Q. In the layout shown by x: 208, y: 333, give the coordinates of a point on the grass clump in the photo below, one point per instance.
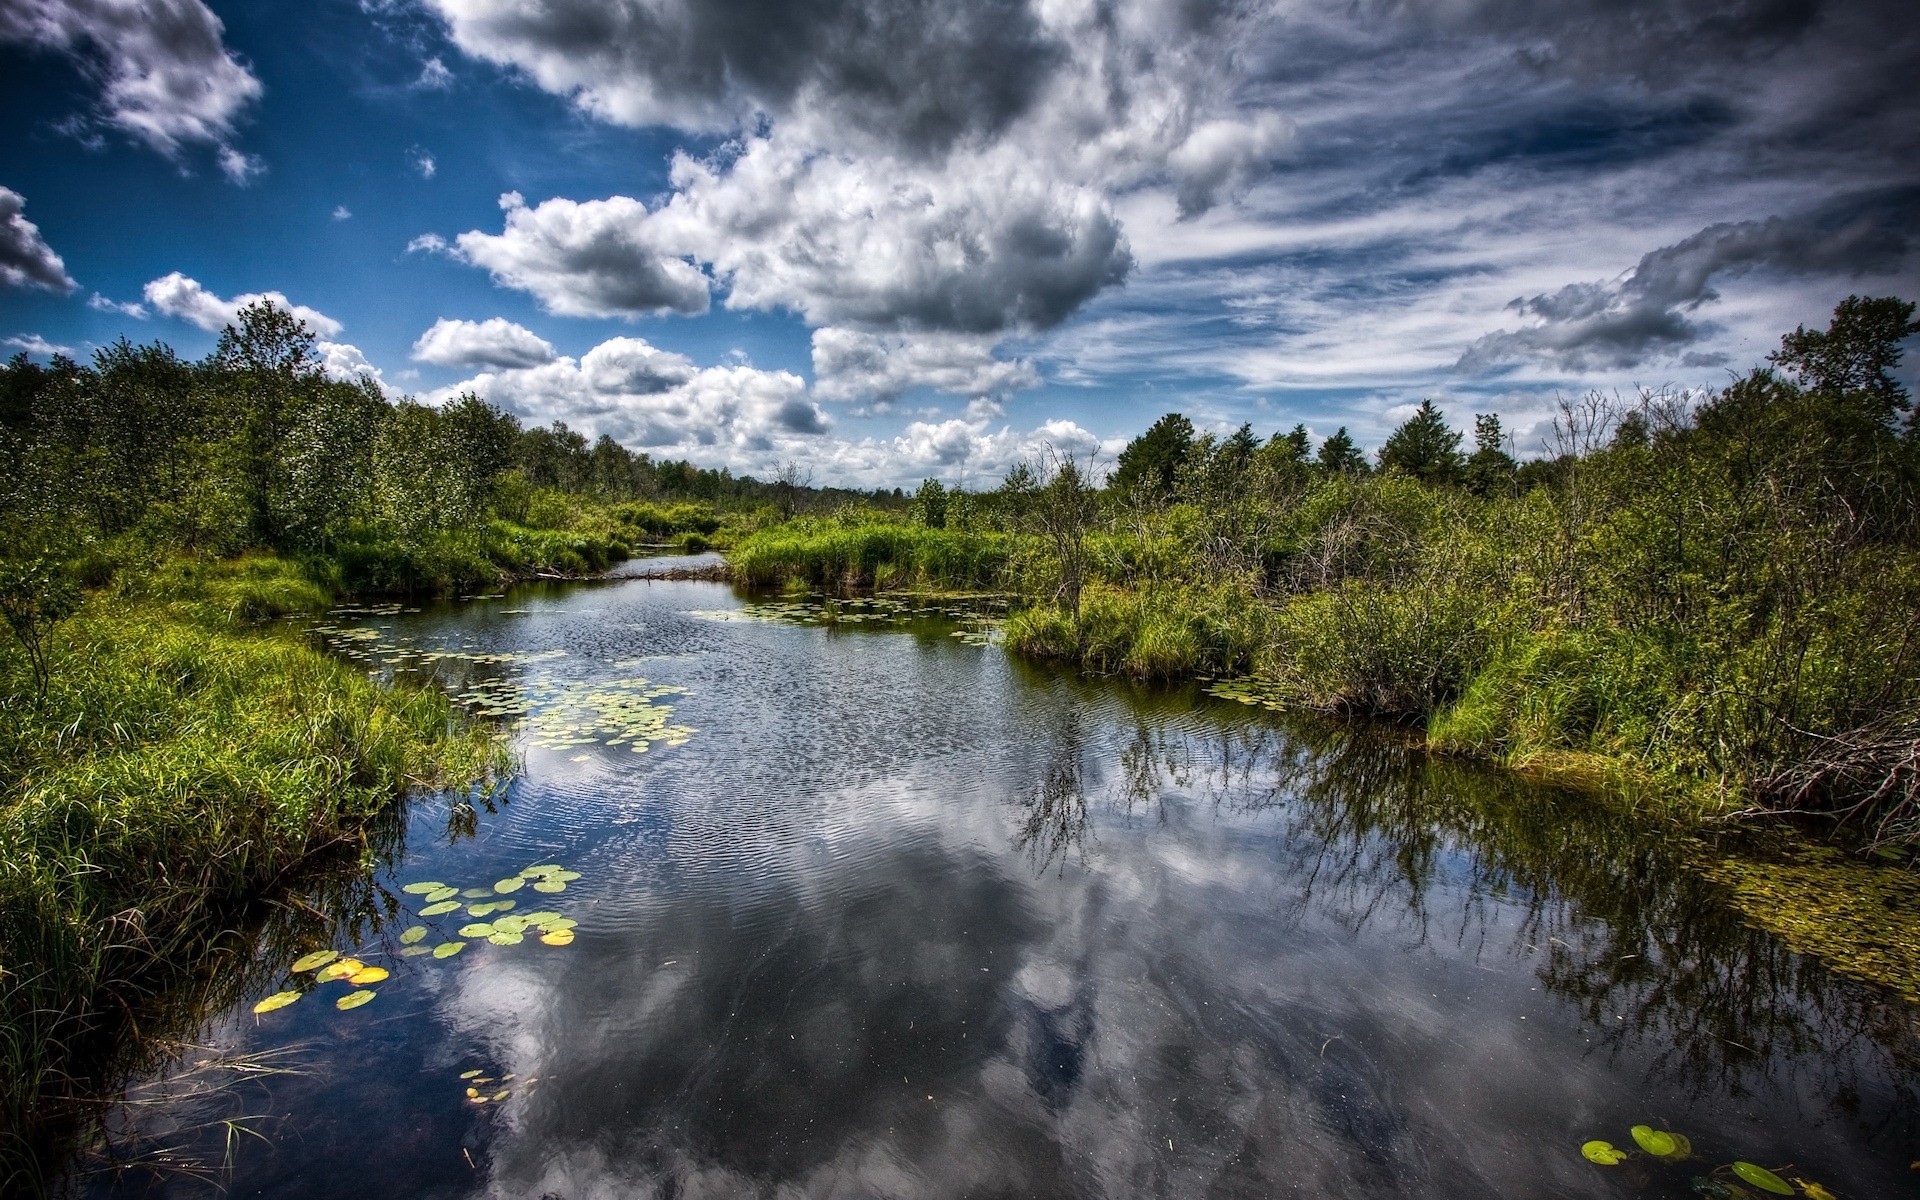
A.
x: 841, y: 555
x: 180, y: 764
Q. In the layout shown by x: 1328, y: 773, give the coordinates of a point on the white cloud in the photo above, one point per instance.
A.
x: 175, y: 295
x: 428, y: 243
x: 422, y: 162
x: 165, y: 76
x: 345, y: 362
x: 342, y: 213
x: 849, y: 364
x: 495, y: 342
x: 99, y: 303
x: 33, y: 343
x: 434, y: 76
x: 601, y: 258
x: 26, y: 261
x: 239, y: 168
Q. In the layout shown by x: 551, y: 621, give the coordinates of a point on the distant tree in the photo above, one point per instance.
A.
x: 930, y: 504
x: 1149, y: 468
x: 1424, y: 447
x: 1631, y: 432
x: 1339, y: 456
x: 1055, y: 498
x: 1298, y: 443
x: 1490, y: 469
x: 266, y: 360
x: 788, y: 482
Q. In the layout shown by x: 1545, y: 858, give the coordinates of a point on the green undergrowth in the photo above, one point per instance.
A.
x: 183, y: 762
x: 885, y: 555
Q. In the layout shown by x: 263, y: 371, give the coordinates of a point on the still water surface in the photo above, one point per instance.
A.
x: 901, y: 916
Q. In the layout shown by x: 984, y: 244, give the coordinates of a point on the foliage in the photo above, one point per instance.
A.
x: 35, y: 595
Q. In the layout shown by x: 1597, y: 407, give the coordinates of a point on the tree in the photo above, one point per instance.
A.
x: 267, y: 360
x: 1424, y: 447
x: 1149, y: 468
x: 788, y: 482
x: 930, y: 504
x: 35, y: 595
x: 1490, y: 469
x: 1056, y: 499
x: 1296, y: 444
x: 1339, y: 456
x: 1853, y: 357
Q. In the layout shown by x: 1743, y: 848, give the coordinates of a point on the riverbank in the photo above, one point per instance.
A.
x: 184, y: 761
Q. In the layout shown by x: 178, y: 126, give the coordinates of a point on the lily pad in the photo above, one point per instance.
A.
x: 434, y: 910
x: 549, y: 885
x: 277, y: 1000
x: 367, y: 975
x: 511, y: 925
x: 411, y: 935
x: 441, y: 893
x: 559, y: 937
x: 319, y: 958
x: 339, y: 969
x: 479, y: 910
x: 1604, y: 1153
x: 1814, y: 1191
x: 545, y: 869
x: 542, y: 917
x: 477, y: 930
x: 477, y: 893
x: 448, y: 949
x: 1762, y: 1178
x: 559, y: 924
x: 414, y: 951
x: 421, y: 889
x: 1656, y: 1142
x: 512, y: 883
x: 354, y: 999
x: 503, y: 938
x: 564, y: 876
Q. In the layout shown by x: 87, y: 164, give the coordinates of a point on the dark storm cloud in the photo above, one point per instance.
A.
x: 921, y: 73
x: 1625, y: 322
x: 26, y: 261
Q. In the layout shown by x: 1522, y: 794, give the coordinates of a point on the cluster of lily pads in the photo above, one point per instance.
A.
x: 438, y: 900
x: 1244, y: 691
x: 563, y: 716
x: 974, y: 612
x: 1722, y: 1183
x: 479, y: 1090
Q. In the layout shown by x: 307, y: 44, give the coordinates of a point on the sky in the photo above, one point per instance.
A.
x: 900, y: 239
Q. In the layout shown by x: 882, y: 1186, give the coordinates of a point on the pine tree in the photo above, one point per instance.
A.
x: 1424, y: 447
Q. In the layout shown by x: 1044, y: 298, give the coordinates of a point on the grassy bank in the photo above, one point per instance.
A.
x: 181, y: 763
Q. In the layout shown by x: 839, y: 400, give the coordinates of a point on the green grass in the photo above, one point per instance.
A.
x: 181, y: 765
x: 843, y: 557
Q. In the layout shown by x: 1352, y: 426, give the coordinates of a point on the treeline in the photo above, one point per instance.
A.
x: 255, y: 447
x: 1719, y: 590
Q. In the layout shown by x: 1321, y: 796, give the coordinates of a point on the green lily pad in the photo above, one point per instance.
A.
x: 473, y: 1074
x: 441, y: 893
x: 319, y: 958
x: 549, y: 885
x: 541, y: 870
x: 512, y: 883
x: 1762, y: 1178
x: 543, y: 916
x: 421, y: 889
x: 434, y: 910
x: 409, y: 936
x: 558, y: 924
x: 1656, y: 1142
x: 354, y: 999
x: 511, y: 925
x: 501, y: 937
x: 564, y: 876
x: 277, y: 1000
x: 480, y: 910
x: 448, y: 949
x: 414, y: 951
x: 1604, y: 1153
x: 477, y: 893
x: 478, y: 929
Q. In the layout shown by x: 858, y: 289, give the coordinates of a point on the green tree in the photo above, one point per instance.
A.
x: 930, y: 504
x: 1339, y: 456
x: 35, y: 595
x: 1490, y: 469
x: 1853, y: 358
x: 1149, y: 468
x: 266, y: 362
x: 1424, y: 447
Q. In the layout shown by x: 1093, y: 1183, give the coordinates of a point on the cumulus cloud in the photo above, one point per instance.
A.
x: 165, y: 76
x: 128, y: 308
x: 175, y: 295
x: 495, y: 342
x: 33, y: 343
x: 344, y: 361
x: 26, y: 261
x: 1626, y: 321
x: 849, y: 364
x: 423, y: 162
x: 647, y: 397
x: 601, y: 258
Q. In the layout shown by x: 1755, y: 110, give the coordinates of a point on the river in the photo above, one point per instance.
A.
x: 871, y: 909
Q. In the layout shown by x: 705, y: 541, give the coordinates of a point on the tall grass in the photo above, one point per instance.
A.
x: 180, y: 765
x: 841, y: 556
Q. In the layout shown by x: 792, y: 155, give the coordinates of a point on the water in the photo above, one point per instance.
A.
x: 905, y: 917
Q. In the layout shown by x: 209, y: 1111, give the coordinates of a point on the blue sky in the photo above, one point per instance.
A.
x: 899, y: 238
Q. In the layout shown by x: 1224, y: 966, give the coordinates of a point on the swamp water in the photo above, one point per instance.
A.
x: 872, y: 909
